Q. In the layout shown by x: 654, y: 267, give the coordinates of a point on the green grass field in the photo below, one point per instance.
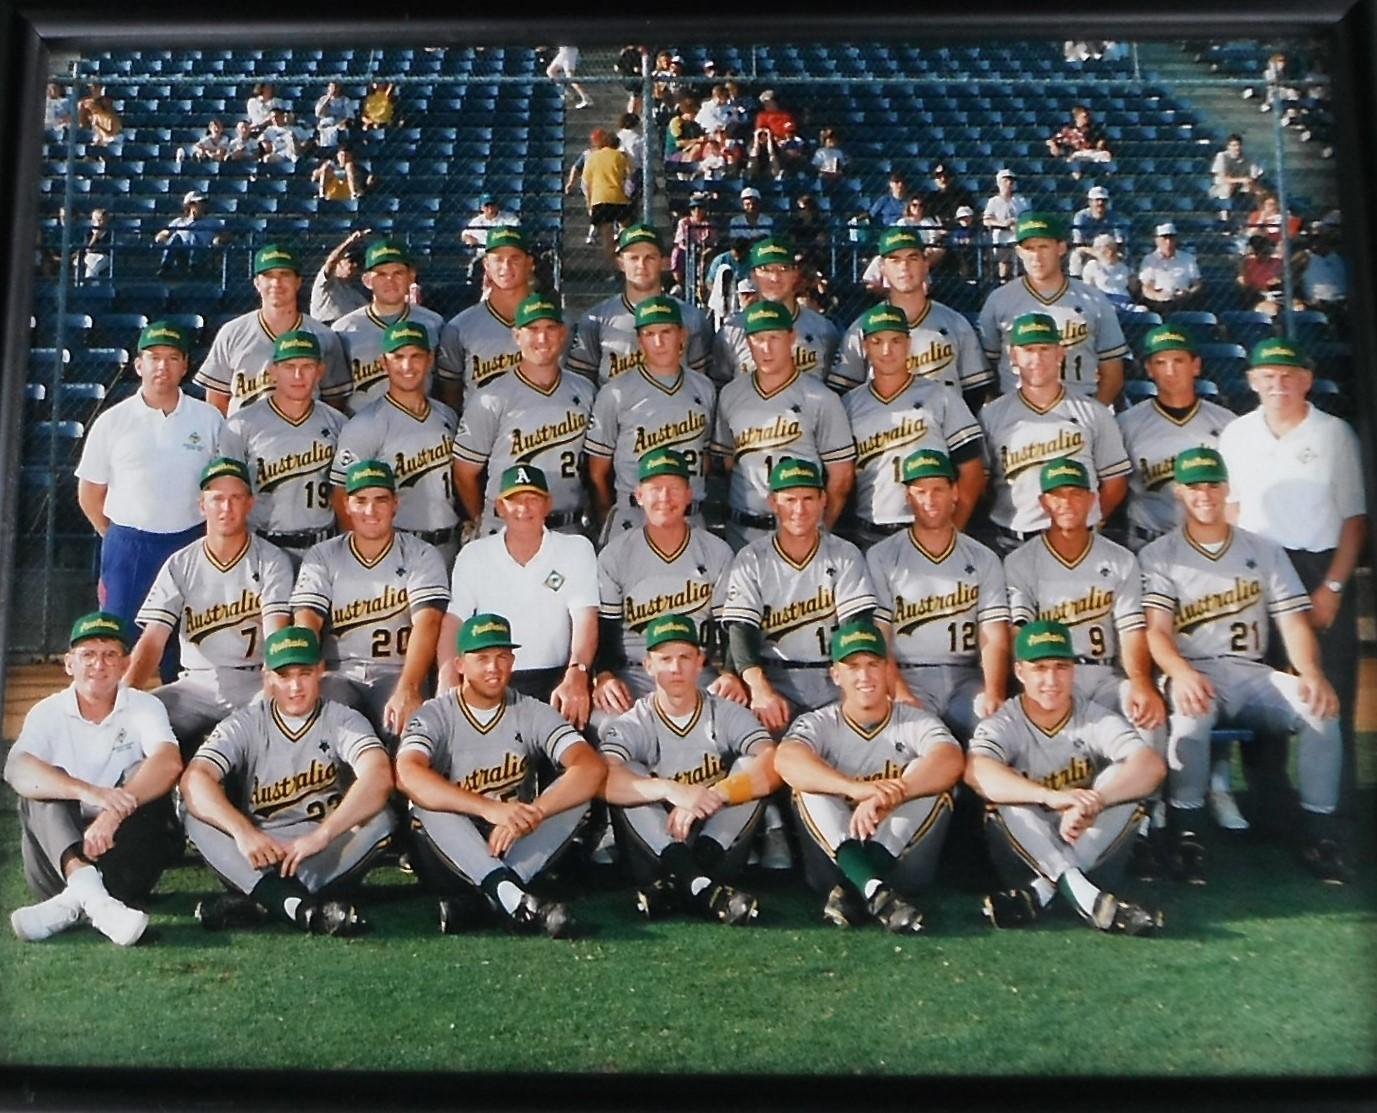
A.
x: 1263, y: 971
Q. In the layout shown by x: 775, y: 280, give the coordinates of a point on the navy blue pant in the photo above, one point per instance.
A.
x: 129, y: 563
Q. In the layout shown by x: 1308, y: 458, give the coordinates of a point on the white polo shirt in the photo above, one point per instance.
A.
x: 151, y: 461
x: 1172, y: 276
x: 538, y: 598
x: 1297, y: 489
x: 97, y: 753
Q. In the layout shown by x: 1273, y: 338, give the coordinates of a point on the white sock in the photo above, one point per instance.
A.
x: 86, y: 884
x: 1044, y: 890
x: 870, y: 887
x: 1221, y: 776
x: 698, y: 884
x: 1082, y: 892
x: 509, y: 896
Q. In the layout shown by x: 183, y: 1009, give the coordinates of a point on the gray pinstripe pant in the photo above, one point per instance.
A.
x: 460, y: 843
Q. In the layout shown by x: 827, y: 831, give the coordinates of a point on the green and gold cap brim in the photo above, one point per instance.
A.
x: 297, y: 344
x: 538, y: 307
x: 1044, y: 637
x: 792, y: 472
x: 671, y: 628
x: 1199, y: 465
x: 405, y: 334
x: 100, y: 624
x: 1063, y: 472
x: 662, y: 461
x: 292, y: 645
x: 156, y: 333
x: 520, y: 478
x: 369, y: 473
x: 859, y: 636
x: 485, y: 631
x: 273, y: 255
x: 927, y: 463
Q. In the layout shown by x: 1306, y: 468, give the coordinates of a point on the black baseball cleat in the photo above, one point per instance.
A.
x: 1122, y: 917
x: 333, y: 917
x: 534, y: 915
x: 894, y: 913
x: 727, y: 905
x: 1326, y: 861
x: 657, y: 900
x: 461, y: 912
x: 1010, y: 908
x: 844, y: 907
x: 229, y: 910
x: 1186, y: 859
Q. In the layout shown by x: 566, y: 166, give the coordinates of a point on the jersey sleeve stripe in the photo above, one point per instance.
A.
x: 866, y: 602
x: 840, y: 455
x: 561, y: 738
x: 740, y: 614
x: 964, y: 436
x: 338, y: 390
x: 883, y: 613
x: 361, y: 747
x: 283, y: 608
x: 610, y: 610
x: 1022, y: 614
x: 1114, y: 352
x: 418, y: 742
x: 617, y: 750
x: 217, y: 759
x: 206, y: 379
x: 1130, y: 622
x: 471, y: 455
x: 597, y: 448
x: 1159, y: 602
x: 979, y: 378
x: 310, y: 600
x: 998, y: 613
x: 754, y: 741
x: 1288, y: 605
x: 148, y: 615
x: 1113, y: 471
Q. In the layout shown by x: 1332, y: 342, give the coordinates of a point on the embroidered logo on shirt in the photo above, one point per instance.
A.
x: 554, y: 581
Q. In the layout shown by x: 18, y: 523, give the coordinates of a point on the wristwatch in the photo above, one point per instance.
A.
x: 578, y: 665
x: 1336, y: 586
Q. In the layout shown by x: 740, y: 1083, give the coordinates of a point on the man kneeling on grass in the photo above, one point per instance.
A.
x: 302, y: 827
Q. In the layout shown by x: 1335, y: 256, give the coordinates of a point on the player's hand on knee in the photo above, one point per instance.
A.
x: 730, y: 686
x: 1146, y: 708
x: 680, y: 823
x: 1192, y: 693
x: 772, y: 710
x: 611, y: 694
x: 99, y: 837
x: 260, y: 849
x: 1319, y: 696
x: 403, y: 704
x: 867, y: 816
x: 1074, y: 824
x: 986, y: 704
x: 298, y: 850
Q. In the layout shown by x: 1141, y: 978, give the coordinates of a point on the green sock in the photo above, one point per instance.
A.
x: 881, y: 860
x: 284, y: 897
x: 856, y: 867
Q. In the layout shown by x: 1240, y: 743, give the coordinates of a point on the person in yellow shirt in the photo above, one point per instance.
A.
x: 606, y: 170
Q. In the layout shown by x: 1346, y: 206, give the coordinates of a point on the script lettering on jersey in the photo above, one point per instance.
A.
x: 890, y: 772
x: 906, y: 431
x: 784, y: 430
x: 267, y: 798
x: 618, y: 364
x: 410, y: 470
x: 366, y: 374
x: 1065, y: 443
x: 1217, y: 604
x: 1156, y: 475
x: 485, y: 370
x: 936, y: 356
x: 707, y: 772
x: 1095, y: 604
x: 805, y: 359
x: 670, y: 434
x: 1074, y: 331
x: 198, y: 625
x: 271, y: 474
x: 636, y: 614
x: 909, y: 614
x: 501, y: 781
x: 246, y: 386
x: 776, y: 622
x: 1076, y: 773
x: 361, y: 612
x: 566, y: 430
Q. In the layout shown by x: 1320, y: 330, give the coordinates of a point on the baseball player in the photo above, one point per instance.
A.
x: 606, y: 341
x: 892, y: 416
x: 535, y: 415
x: 941, y: 604
x: 235, y: 372
x: 468, y: 763
x: 288, y: 445
x: 383, y: 593
x: 871, y: 781
x: 659, y: 405
x: 1063, y: 779
x: 773, y: 412
x: 1041, y: 421
x: 814, y: 339
x: 414, y: 434
x: 786, y: 593
x: 388, y: 273
x: 478, y: 344
x: 224, y: 595
x: 668, y: 566
x: 942, y: 345
x: 309, y: 816
x: 1208, y: 591
x: 92, y: 767
x: 687, y: 774
x: 1156, y: 429
x: 1084, y: 319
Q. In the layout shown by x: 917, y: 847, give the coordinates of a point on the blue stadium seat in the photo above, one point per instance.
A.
x: 1308, y: 326
x: 1245, y: 326
x: 100, y: 365
x: 1201, y: 321
x: 39, y: 436
x: 118, y: 328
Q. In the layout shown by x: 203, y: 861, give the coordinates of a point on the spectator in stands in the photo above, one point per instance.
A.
x: 1093, y: 220
x: 565, y: 64
x: 97, y: 111
x: 379, y: 106
x: 280, y: 140
x: 684, y: 138
x: 1266, y: 219
x: 330, y: 186
x: 187, y: 238
x: 1323, y: 274
x: 779, y: 122
x: 490, y: 215
x: 628, y: 65
x: 885, y: 211
x: 244, y: 145
x: 693, y: 230
x: 358, y: 179
x: 56, y: 114
x: 1232, y: 173
x: 259, y: 108
x: 93, y: 257
x: 752, y: 223
x: 335, y: 114
x: 724, y: 275
x: 815, y: 290
x: 947, y: 196
x: 1260, y: 276
x: 959, y: 258
x: 333, y: 291
x: 214, y: 146
x: 713, y: 164
x: 606, y: 172
x: 1001, y: 215
x: 1169, y: 278
x: 1082, y: 140
x: 738, y: 111
x: 1107, y: 272
x: 716, y: 112
x: 829, y: 159
x: 631, y: 140
x: 808, y: 229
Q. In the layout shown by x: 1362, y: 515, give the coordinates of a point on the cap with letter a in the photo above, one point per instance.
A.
x: 521, y: 478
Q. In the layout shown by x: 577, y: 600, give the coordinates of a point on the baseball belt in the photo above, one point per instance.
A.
x: 563, y: 518
x: 1017, y: 534
x: 434, y: 536
x: 874, y: 527
x: 755, y: 521
x: 301, y: 539
x: 781, y: 664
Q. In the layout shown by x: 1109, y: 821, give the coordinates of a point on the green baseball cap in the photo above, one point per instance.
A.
x: 299, y: 343
x: 520, y: 478
x: 405, y: 334
x: 537, y: 307
x: 659, y: 310
x: 662, y: 461
x: 765, y: 316
x: 639, y: 233
x: 793, y: 472
x: 163, y: 332
x: 928, y: 463
x: 770, y: 251
x: 292, y: 645
x: 1064, y: 472
x: 858, y: 636
x: 1031, y: 225
x: 897, y: 239
x: 100, y: 624
x: 222, y: 466
x: 1034, y: 328
x: 1167, y: 338
x: 883, y: 318
x: 485, y: 631
x: 671, y: 628
x: 273, y: 255
x: 1277, y: 351
x: 504, y: 235
x: 1043, y: 637
x: 385, y: 251
x: 1199, y: 465
x: 369, y: 473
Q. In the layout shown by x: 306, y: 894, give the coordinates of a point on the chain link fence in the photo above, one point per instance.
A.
x: 724, y: 142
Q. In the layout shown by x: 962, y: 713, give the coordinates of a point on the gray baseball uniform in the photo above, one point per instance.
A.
x: 476, y: 347
x: 942, y: 345
x: 603, y: 344
x: 1090, y: 331
x: 815, y: 344
x: 243, y: 348
x: 360, y: 333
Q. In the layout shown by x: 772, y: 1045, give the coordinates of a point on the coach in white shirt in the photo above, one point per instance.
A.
x: 545, y: 584
x: 139, y: 475
x: 1297, y: 479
